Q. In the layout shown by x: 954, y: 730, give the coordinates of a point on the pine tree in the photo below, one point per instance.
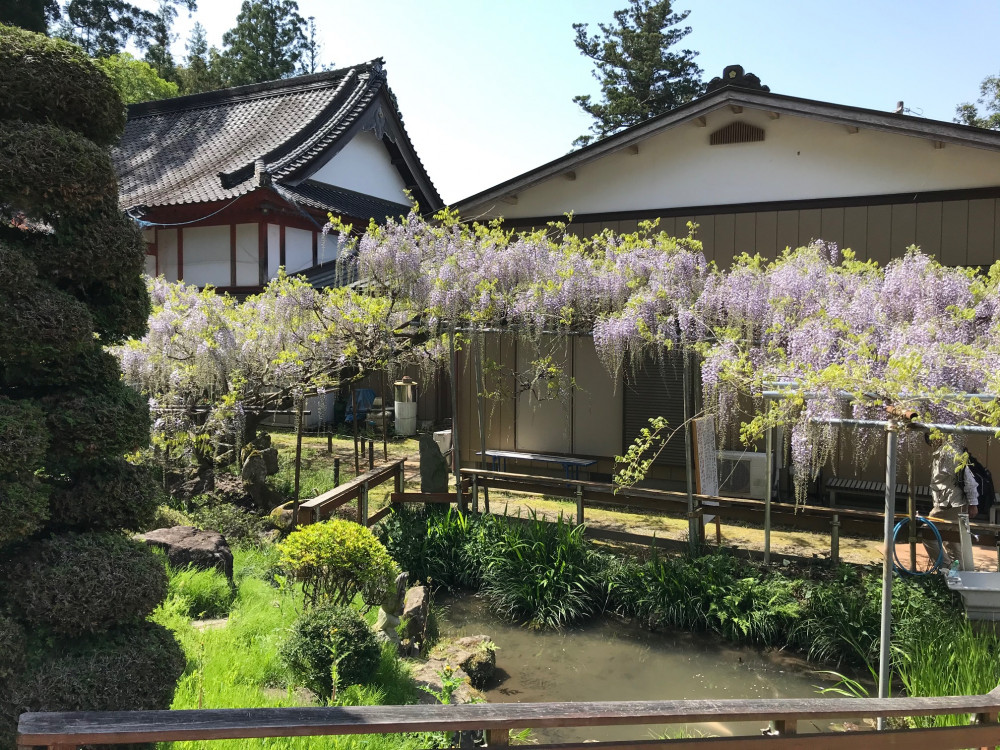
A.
x: 201, y: 71
x: 640, y: 77
x: 33, y: 15
x: 104, y: 27
x: 158, y: 55
x: 267, y: 42
x: 312, y: 51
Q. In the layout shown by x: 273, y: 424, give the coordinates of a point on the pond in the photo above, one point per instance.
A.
x: 606, y: 660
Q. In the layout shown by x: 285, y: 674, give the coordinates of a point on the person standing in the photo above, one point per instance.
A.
x: 953, y: 491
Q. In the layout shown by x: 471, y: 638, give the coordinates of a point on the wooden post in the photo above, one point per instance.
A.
x: 498, y: 738
x: 579, y: 505
x: 455, y: 447
x: 400, y: 477
x: 371, y: 454
x: 329, y: 442
x: 364, y: 505
x: 385, y: 434
x: 354, y: 422
x: 475, y: 493
x: 298, y: 462
x: 480, y: 387
x: 834, y: 530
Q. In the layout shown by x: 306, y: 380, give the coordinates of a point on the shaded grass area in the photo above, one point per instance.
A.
x: 239, y: 665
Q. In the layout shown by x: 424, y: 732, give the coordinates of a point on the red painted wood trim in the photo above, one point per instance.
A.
x: 180, y: 253
x: 262, y: 253
x: 232, y: 255
x: 281, y: 252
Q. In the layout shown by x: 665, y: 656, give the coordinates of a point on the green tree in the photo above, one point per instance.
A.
x: 201, y: 71
x: 33, y: 15
x: 267, y: 42
x: 104, y: 27
x: 640, y: 77
x: 136, y: 80
x: 158, y: 55
x: 312, y: 50
x: 989, y: 100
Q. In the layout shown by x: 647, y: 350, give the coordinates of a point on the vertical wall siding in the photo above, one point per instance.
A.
x: 964, y: 232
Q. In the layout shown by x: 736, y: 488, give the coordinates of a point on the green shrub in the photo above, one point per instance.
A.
x: 238, y: 525
x: 23, y: 437
x: 144, y: 660
x: 24, y: 507
x: 544, y: 574
x: 84, y: 583
x: 337, y: 560
x: 111, y: 495
x: 206, y: 593
x: 12, y: 650
x: 51, y: 325
x: 49, y: 80
x: 329, y: 635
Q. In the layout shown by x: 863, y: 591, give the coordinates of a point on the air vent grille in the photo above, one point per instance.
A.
x: 737, y: 132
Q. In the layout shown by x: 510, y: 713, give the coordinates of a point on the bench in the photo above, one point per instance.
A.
x: 870, y: 489
x: 571, y: 466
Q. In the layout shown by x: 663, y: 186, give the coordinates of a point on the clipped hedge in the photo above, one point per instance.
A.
x: 110, y: 495
x: 131, y: 668
x: 327, y: 634
x: 85, y: 372
x: 24, y: 507
x: 85, y: 583
x: 50, y: 172
x: 86, y: 426
x: 41, y: 324
x: 120, y: 310
x: 46, y: 80
x: 13, y: 653
x: 23, y: 437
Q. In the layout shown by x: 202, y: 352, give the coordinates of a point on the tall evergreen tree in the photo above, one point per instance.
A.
x: 33, y: 15
x: 158, y: 55
x: 104, y: 27
x: 200, y: 72
x: 267, y: 42
x: 312, y: 50
x: 640, y: 77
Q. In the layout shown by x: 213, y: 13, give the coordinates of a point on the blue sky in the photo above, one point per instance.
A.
x: 486, y: 88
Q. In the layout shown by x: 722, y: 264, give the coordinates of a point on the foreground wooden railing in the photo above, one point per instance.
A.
x: 63, y: 731
x: 810, y: 517
x: 322, y: 506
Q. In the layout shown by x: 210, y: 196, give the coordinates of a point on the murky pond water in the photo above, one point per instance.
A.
x: 605, y: 660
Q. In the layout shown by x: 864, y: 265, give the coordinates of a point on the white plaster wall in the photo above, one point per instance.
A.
x: 597, y: 403
x: 800, y: 158
x: 363, y: 165
x: 247, y: 255
x: 542, y: 426
x: 150, y: 266
x: 207, y: 256
x: 166, y: 247
x: 298, y: 249
x: 273, y: 250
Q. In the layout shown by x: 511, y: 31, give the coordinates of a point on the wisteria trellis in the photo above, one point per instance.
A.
x: 913, y: 333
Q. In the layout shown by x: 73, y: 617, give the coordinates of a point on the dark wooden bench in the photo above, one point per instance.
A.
x: 571, y: 465
x: 871, y: 489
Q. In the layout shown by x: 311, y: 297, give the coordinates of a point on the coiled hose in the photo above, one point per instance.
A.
x: 940, y: 544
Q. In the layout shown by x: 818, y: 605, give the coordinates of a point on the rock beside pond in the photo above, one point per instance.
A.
x: 430, y: 676
x: 186, y: 545
x: 475, y: 655
x: 416, y: 607
x: 433, y: 466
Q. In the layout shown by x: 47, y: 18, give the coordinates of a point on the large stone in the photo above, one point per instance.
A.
x: 430, y: 679
x: 475, y: 655
x: 433, y: 466
x: 270, y: 456
x: 254, y: 469
x: 186, y: 545
x: 415, y: 610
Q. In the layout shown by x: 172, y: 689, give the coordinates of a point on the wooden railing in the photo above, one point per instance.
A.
x: 808, y: 517
x: 63, y: 731
x: 322, y: 506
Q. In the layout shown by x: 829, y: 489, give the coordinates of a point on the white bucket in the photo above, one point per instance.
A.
x: 406, y: 418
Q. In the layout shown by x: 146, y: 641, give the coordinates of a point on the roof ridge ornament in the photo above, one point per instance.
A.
x: 734, y: 75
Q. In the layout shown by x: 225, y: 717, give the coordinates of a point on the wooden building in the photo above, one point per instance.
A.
x: 757, y: 172
x: 233, y: 184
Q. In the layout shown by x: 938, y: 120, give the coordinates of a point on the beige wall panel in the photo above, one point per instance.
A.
x: 904, y: 229
x: 954, y: 233
x: 706, y: 233
x: 668, y: 224
x: 725, y: 239
x: 680, y: 225
x: 879, y: 233
x: 597, y: 403
x: 982, y: 216
x: 767, y: 234
x: 831, y: 225
x: 788, y: 230
x: 502, y: 412
x: 856, y: 230
x: 543, y: 426
x: 996, y: 230
x: 928, y: 236
x: 626, y: 226
x: 810, y: 226
x: 591, y: 228
x: 746, y: 233
x: 614, y: 226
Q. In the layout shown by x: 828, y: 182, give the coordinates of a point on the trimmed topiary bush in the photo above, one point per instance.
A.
x: 111, y: 495
x: 46, y: 80
x: 336, y: 560
x: 85, y: 583
x: 327, y: 635
x: 24, y: 508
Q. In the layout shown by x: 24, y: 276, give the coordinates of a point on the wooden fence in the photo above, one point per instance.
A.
x: 62, y: 731
x: 321, y: 507
x: 596, y: 494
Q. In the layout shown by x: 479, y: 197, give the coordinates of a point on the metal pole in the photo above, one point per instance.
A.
x: 884, y: 669
x: 693, y: 531
x: 298, y: 461
x: 354, y: 421
x: 454, y: 423
x: 385, y: 432
x: 911, y: 510
x: 480, y: 387
x: 769, y: 452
